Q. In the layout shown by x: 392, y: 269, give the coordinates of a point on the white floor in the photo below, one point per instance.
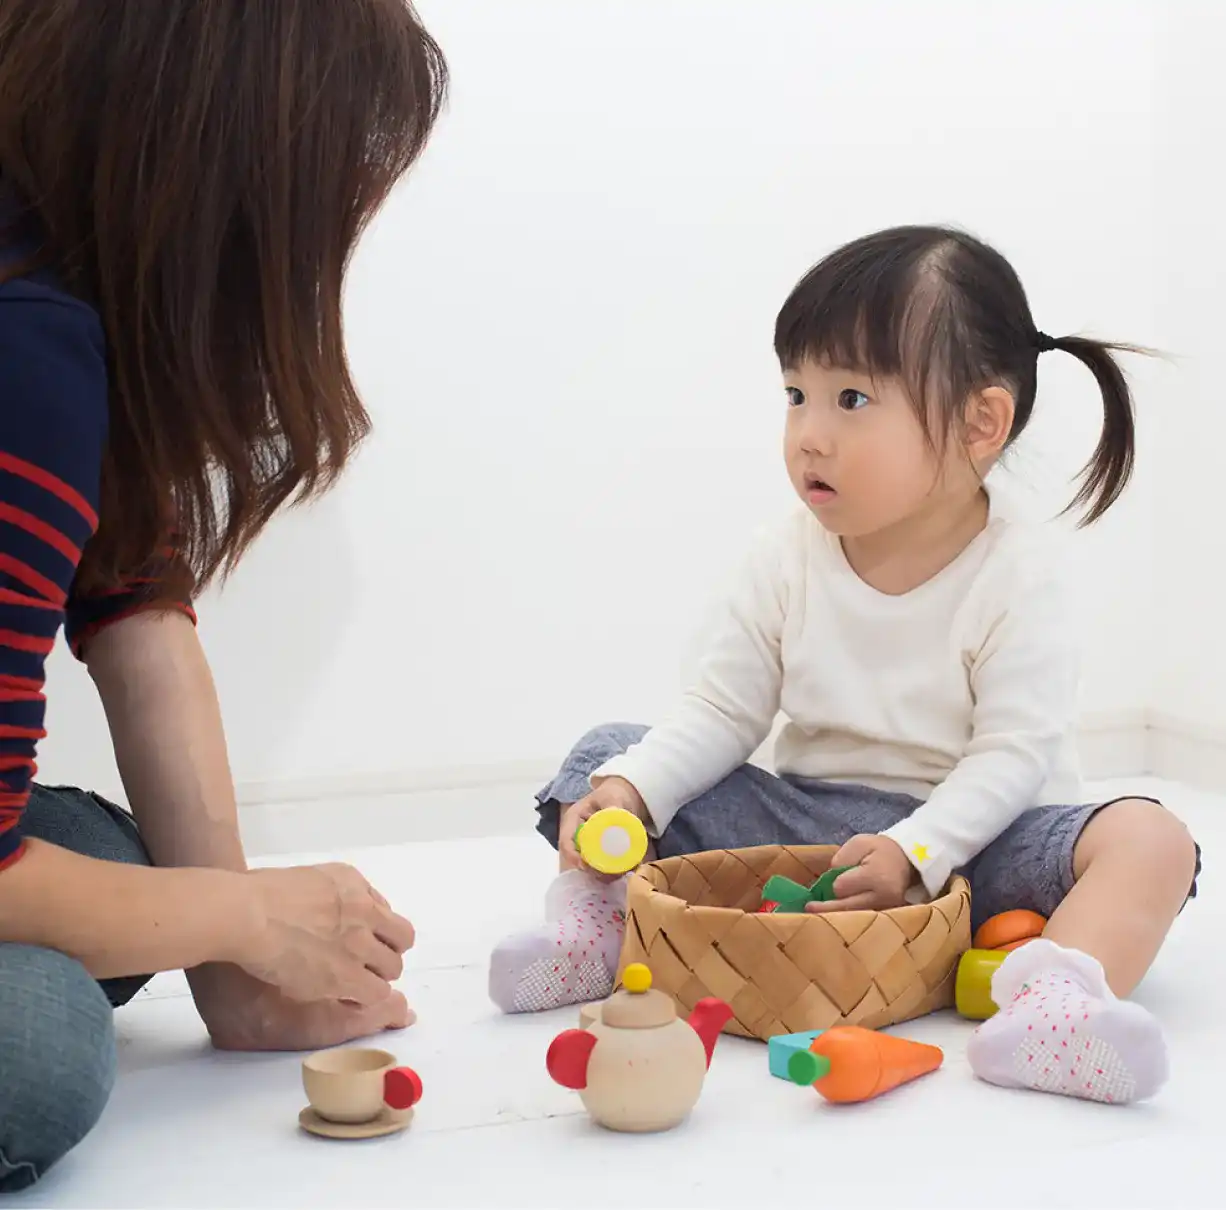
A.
x: 187, y: 1127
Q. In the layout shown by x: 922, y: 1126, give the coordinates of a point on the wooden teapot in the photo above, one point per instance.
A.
x: 639, y: 1067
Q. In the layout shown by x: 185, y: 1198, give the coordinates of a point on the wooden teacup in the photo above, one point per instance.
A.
x: 356, y: 1084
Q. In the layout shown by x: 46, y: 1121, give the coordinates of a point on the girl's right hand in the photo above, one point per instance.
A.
x: 613, y: 792
x: 323, y: 933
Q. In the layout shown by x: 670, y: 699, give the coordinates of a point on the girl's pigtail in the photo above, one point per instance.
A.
x: 1107, y: 473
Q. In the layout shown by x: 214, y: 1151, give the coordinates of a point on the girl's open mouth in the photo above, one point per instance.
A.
x: 817, y: 489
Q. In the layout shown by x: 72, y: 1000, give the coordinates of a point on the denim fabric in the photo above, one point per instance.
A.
x: 57, y: 1034
x: 1029, y: 865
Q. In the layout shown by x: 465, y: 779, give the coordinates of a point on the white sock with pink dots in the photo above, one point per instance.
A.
x: 1061, y: 1029
x: 571, y: 959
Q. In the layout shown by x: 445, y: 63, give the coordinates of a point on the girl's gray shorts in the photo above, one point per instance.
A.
x: 1029, y: 865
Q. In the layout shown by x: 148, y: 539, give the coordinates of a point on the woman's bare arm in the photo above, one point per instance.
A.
x: 124, y: 919
x: 165, y: 721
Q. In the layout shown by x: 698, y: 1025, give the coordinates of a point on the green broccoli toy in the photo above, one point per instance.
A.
x: 781, y: 894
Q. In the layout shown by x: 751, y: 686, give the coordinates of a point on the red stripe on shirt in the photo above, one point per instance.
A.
x: 49, y: 482
x: 26, y: 642
x: 90, y: 632
x: 40, y: 529
x: 8, y: 596
x: 49, y: 590
x: 22, y: 688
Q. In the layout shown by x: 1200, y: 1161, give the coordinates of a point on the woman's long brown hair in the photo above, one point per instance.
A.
x: 200, y: 171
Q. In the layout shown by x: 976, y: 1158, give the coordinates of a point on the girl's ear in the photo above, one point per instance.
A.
x: 987, y: 423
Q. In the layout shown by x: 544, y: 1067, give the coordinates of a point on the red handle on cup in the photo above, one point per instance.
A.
x: 401, y: 1088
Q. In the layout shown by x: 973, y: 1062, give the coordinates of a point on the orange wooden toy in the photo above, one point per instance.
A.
x: 850, y: 1063
x: 1008, y: 930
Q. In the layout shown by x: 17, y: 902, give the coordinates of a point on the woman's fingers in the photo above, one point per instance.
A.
x: 393, y: 929
x: 379, y: 958
x: 393, y: 1013
x: 363, y: 987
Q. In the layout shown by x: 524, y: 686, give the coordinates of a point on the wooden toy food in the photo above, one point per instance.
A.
x: 782, y: 894
x: 781, y: 1048
x: 639, y: 1068
x: 1008, y: 930
x: 850, y: 1063
x: 612, y: 841
x: 973, y: 982
x: 994, y: 940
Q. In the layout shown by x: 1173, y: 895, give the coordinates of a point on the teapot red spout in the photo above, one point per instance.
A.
x: 567, y: 1058
x: 710, y: 1015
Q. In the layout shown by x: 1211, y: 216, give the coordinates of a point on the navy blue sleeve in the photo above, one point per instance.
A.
x: 86, y: 616
x: 52, y: 433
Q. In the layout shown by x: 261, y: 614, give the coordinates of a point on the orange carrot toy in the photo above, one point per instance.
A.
x: 1008, y: 930
x: 849, y: 1063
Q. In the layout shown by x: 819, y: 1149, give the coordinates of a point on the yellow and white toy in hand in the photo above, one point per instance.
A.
x: 612, y: 841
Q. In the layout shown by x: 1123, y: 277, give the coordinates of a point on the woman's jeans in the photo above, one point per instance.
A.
x: 57, y: 1035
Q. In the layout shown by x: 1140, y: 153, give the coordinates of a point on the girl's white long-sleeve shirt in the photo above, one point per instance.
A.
x: 962, y: 692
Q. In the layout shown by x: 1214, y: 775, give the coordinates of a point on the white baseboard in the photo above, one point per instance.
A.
x: 349, y: 786
x: 322, y: 815
x: 1114, y: 744
x: 332, y: 813
x: 1186, y: 751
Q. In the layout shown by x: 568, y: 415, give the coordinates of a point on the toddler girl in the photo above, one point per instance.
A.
x: 916, y: 641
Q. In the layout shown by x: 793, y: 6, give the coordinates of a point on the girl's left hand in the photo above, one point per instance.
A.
x: 879, y: 880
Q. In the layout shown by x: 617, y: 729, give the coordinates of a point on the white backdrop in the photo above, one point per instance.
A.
x: 562, y: 325
x: 1188, y: 642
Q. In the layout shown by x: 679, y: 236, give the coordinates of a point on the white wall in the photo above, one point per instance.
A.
x: 563, y: 325
x: 1190, y: 583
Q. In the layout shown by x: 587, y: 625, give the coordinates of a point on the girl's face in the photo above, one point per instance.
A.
x: 857, y: 455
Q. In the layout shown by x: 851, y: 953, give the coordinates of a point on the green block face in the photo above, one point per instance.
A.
x: 789, y: 895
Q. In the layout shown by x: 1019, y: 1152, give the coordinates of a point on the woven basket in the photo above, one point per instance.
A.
x: 693, y: 921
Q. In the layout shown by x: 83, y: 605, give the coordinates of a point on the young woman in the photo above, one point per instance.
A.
x: 181, y: 186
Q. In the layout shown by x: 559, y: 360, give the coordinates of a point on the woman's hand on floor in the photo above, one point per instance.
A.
x: 322, y: 933
x: 612, y: 792
x: 879, y: 880
x: 242, y: 1013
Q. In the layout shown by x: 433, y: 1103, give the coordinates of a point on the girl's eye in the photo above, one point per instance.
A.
x: 851, y: 400
x: 795, y: 396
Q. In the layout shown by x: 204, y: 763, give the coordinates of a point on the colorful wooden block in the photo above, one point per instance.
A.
x: 783, y: 1046
x: 786, y: 895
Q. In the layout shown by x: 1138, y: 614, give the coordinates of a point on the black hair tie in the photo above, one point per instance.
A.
x: 1044, y: 343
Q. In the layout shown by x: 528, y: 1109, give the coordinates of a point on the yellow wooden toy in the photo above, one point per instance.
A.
x: 973, y: 983
x: 612, y: 841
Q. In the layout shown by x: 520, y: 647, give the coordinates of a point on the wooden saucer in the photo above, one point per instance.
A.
x: 389, y: 1121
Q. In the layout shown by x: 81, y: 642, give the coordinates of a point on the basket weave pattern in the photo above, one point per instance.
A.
x: 693, y: 921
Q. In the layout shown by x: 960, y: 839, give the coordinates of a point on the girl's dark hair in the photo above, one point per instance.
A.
x: 946, y: 315
x: 200, y: 171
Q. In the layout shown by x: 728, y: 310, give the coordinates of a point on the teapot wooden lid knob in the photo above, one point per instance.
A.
x: 636, y: 978
x: 638, y: 1005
